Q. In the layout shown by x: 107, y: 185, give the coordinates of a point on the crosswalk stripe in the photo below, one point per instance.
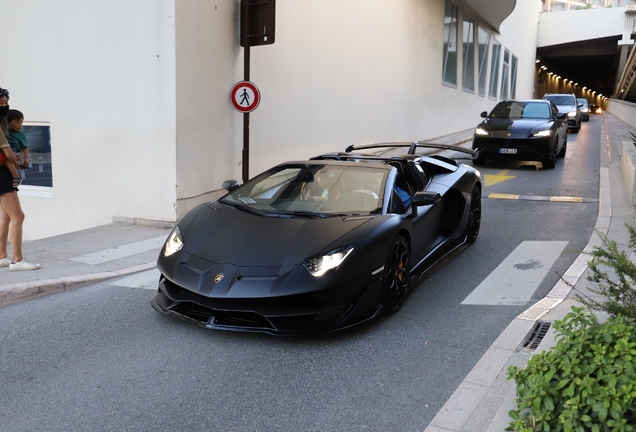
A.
x: 518, y: 276
x: 542, y: 198
x: 123, y: 251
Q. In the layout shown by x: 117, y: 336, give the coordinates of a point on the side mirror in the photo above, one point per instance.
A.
x: 580, y: 105
x: 422, y: 199
x: 426, y: 198
x: 561, y: 116
x: 484, y: 114
x: 230, y: 185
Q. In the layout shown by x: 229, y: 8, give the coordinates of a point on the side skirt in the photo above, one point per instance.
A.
x: 428, y: 265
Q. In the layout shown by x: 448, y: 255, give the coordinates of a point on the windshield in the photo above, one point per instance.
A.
x: 560, y: 99
x: 521, y: 110
x: 312, y: 190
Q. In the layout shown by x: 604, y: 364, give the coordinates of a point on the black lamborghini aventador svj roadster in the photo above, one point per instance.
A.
x: 318, y: 245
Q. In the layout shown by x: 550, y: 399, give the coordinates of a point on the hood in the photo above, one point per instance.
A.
x: 566, y: 108
x: 223, y: 234
x: 518, y: 128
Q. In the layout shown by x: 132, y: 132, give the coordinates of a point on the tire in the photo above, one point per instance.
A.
x: 563, y: 150
x: 396, y: 275
x: 577, y: 128
x: 550, y: 162
x: 474, y: 215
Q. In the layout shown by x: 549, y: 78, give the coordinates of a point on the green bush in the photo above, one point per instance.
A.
x: 586, y: 382
x: 614, y: 276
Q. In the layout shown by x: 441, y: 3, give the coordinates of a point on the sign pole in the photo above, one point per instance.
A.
x: 257, y: 28
x: 246, y: 120
x: 246, y: 76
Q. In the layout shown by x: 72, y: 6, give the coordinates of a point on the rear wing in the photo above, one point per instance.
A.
x: 412, y: 146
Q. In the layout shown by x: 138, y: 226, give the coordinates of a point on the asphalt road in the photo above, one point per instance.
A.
x: 99, y: 358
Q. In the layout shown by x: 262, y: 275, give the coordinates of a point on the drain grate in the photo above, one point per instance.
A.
x: 538, y: 333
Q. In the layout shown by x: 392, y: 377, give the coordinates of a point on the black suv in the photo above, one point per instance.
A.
x: 567, y: 103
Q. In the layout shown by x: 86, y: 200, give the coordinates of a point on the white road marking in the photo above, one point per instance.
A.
x: 146, y: 280
x: 121, y: 252
x: 518, y: 276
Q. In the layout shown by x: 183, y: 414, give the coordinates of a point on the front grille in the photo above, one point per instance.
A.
x: 241, y: 319
x: 193, y: 311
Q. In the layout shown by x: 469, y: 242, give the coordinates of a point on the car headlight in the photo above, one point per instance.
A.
x: 321, y: 264
x: 481, y: 132
x: 571, y: 114
x: 174, y: 242
x: 584, y: 110
x: 543, y: 133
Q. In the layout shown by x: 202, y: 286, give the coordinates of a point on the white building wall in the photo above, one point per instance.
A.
x: 351, y: 72
x: 519, y: 35
x: 137, y: 93
x: 573, y: 26
x: 209, y: 130
x: 103, y: 75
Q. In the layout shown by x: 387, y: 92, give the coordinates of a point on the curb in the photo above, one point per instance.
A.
x: 17, y: 293
x: 463, y: 403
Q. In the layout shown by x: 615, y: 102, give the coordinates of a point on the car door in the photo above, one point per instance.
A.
x: 424, y: 220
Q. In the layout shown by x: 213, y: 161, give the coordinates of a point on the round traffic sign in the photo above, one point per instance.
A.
x: 245, y: 96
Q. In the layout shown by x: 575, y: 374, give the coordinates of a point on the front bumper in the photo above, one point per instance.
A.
x: 533, y: 149
x: 306, y: 313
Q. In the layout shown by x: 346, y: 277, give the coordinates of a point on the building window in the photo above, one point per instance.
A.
x: 39, y: 141
x: 468, y: 73
x: 449, y: 72
x: 483, y: 41
x: 505, y: 75
x: 494, y: 69
x: 513, y: 77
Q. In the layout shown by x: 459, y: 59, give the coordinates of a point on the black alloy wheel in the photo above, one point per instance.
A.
x: 474, y: 217
x: 396, y: 275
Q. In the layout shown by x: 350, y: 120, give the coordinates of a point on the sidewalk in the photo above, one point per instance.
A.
x: 483, y: 400
x: 481, y: 403
x: 81, y: 258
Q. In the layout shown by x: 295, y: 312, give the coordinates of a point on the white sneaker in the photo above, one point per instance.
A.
x: 24, y: 265
x: 4, y: 262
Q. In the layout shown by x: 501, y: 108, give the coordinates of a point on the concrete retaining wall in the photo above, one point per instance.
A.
x: 626, y: 111
x: 628, y: 166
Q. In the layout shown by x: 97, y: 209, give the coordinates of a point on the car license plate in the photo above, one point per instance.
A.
x: 508, y: 150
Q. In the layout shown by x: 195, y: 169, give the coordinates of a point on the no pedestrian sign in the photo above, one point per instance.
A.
x: 245, y: 96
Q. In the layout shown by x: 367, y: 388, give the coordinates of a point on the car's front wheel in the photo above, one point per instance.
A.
x: 474, y: 217
x: 396, y: 275
x: 550, y: 162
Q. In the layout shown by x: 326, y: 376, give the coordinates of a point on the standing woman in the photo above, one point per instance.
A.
x: 11, y: 214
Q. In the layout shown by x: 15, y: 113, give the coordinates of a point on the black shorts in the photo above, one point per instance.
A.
x: 6, y: 181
